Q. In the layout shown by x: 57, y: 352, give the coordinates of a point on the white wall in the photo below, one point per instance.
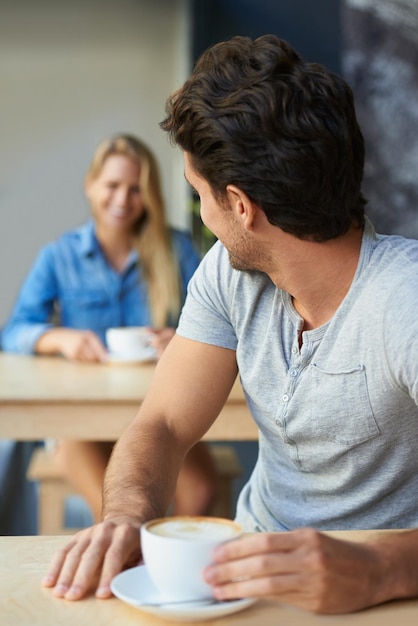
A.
x: 70, y: 74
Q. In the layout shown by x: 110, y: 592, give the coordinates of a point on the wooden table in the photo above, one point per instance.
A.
x: 23, y: 602
x: 42, y: 397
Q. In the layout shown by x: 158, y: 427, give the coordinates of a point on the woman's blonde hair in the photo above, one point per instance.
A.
x: 152, y: 239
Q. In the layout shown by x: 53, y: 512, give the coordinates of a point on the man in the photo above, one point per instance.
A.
x: 315, y: 312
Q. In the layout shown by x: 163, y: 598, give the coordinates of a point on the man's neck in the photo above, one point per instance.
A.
x: 318, y: 276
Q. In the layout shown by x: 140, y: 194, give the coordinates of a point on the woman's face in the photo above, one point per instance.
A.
x: 114, y: 195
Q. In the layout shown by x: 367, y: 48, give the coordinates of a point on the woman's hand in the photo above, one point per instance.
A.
x: 303, y: 568
x: 159, y: 339
x: 76, y: 345
x: 92, y: 558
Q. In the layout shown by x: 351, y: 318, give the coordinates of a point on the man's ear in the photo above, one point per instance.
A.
x: 241, y: 204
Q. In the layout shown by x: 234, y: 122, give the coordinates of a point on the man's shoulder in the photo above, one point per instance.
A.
x: 216, y: 261
x: 392, y: 276
x: 398, y: 249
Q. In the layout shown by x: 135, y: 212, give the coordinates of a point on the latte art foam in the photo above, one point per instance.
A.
x: 195, y: 530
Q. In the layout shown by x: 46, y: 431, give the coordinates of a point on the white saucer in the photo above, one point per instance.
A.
x: 148, y: 354
x: 134, y: 587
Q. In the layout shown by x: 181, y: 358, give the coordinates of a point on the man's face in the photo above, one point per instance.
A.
x: 223, y: 222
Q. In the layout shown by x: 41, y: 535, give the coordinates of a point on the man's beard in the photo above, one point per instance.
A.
x: 239, y: 264
x: 248, y: 262
x: 246, y: 256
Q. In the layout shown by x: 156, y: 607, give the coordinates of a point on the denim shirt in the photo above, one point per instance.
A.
x: 72, y: 279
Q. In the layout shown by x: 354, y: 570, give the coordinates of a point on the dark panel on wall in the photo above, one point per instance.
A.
x: 312, y: 27
x: 380, y: 61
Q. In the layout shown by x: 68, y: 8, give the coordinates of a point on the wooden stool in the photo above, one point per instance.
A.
x: 53, y: 489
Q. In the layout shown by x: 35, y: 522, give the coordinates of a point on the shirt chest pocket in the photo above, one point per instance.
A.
x: 341, y: 405
x: 338, y: 416
x: 81, y: 309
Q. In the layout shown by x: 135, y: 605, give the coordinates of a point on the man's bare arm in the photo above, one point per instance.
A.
x: 191, y: 384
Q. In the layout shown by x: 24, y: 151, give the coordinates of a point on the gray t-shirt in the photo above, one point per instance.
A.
x: 338, y: 417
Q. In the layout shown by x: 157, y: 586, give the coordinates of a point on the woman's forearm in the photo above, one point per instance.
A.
x: 49, y: 342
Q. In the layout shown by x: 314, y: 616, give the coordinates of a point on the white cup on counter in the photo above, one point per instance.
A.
x: 130, y: 343
x: 177, y: 549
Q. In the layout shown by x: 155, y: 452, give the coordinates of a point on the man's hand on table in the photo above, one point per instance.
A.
x: 303, y: 568
x: 92, y: 558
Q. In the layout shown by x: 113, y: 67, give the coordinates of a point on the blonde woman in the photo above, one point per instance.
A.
x: 124, y: 267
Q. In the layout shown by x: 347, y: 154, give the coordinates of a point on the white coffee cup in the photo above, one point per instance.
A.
x: 177, y: 549
x: 129, y: 342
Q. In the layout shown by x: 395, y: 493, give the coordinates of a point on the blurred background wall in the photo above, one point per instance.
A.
x: 72, y: 72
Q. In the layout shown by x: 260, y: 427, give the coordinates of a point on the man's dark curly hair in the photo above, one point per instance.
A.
x: 255, y: 115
